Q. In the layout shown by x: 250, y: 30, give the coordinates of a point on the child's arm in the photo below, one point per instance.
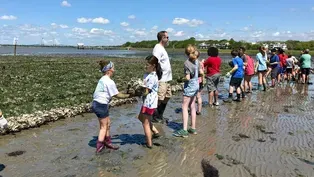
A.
x: 122, y: 95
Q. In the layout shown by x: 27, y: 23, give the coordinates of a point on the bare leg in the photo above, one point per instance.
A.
x: 185, y: 114
x: 193, y: 112
x: 199, y: 102
x: 103, y: 125
x: 210, y: 98
x: 147, y: 130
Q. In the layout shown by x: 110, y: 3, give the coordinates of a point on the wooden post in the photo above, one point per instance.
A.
x: 15, y: 49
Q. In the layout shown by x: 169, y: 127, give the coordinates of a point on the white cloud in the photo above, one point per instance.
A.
x: 100, y: 31
x: 131, y: 17
x: 84, y: 20
x: 54, y: 25
x: 195, y: 22
x: 180, y: 21
x: 179, y: 34
x: 124, y: 24
x: 200, y: 36
x: 140, y: 33
x: 64, y: 26
x: 155, y: 27
x: 79, y: 30
x: 276, y: 34
x: 246, y: 28
x: 184, y: 21
x: 8, y: 17
x: 169, y: 30
x: 65, y: 4
x: 129, y: 29
x: 99, y: 20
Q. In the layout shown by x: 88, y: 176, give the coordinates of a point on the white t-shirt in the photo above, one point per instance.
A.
x: 151, y: 82
x: 160, y: 52
x: 105, y: 90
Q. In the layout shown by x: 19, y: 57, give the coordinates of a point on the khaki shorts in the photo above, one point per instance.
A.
x: 164, y: 91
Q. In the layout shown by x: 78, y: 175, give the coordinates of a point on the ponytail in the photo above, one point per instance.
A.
x: 151, y: 59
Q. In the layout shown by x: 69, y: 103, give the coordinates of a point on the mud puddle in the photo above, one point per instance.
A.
x: 268, y: 134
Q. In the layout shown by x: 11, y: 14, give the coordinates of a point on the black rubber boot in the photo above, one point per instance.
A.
x: 161, y: 109
x: 156, y: 117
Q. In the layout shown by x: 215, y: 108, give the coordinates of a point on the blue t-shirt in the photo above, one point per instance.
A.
x: 261, y: 62
x: 239, y: 73
x: 273, y: 59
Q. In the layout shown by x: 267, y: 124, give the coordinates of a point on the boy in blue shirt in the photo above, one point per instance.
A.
x: 237, y: 73
x: 275, y: 66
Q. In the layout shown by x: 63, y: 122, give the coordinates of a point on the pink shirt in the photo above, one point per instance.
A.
x: 249, y: 69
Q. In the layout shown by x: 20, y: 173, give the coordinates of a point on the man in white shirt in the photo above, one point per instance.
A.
x: 164, y: 90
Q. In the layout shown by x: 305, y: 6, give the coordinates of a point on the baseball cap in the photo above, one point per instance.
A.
x: 307, y: 50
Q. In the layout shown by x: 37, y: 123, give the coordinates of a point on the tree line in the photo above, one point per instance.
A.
x: 291, y: 44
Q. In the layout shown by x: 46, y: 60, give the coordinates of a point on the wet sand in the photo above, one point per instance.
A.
x: 268, y: 134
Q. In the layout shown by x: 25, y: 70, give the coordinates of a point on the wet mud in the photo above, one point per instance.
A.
x: 267, y: 134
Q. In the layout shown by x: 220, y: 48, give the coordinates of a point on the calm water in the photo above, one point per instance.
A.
x: 8, y: 50
x: 5, y: 50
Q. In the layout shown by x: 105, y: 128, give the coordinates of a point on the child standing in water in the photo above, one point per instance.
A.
x: 201, y: 86
x: 237, y: 73
x: 150, y: 97
x: 261, y: 68
x: 105, y: 90
x: 191, y: 87
x: 212, y: 65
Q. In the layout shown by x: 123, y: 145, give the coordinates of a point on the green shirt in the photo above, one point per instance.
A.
x: 305, y: 61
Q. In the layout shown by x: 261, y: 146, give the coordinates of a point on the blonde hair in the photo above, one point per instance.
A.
x: 191, y: 52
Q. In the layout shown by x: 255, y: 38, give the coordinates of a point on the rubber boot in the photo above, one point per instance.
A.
x: 99, y: 146
x: 109, y: 144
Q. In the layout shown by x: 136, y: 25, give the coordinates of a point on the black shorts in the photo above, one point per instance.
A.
x: 235, y: 82
x: 289, y: 70
x: 305, y: 71
x: 101, y: 110
x: 201, y: 86
x: 274, y: 72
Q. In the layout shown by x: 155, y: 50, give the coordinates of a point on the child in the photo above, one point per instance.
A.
x: 105, y: 90
x: 201, y: 86
x: 261, y: 68
x: 290, y: 66
x: 237, y: 76
x: 3, y: 121
x: 191, y: 87
x: 275, y: 66
x: 150, y: 97
x: 212, y: 65
x: 249, y: 70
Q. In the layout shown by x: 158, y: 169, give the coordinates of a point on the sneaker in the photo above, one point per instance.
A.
x: 3, y: 122
x: 181, y: 133
x: 192, y: 131
x: 216, y: 104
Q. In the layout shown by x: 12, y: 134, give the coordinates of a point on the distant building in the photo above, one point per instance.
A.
x: 203, y: 45
x: 278, y: 45
x: 80, y: 45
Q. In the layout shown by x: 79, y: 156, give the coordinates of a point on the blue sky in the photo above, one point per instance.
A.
x: 113, y: 22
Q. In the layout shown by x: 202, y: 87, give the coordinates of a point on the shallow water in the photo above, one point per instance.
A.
x: 278, y: 123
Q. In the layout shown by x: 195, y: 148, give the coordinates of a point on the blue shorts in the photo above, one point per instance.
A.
x: 101, y: 110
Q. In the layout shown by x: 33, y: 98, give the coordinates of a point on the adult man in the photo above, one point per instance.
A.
x: 305, y: 62
x: 164, y: 90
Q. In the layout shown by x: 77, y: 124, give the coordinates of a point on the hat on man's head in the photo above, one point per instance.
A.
x: 307, y: 50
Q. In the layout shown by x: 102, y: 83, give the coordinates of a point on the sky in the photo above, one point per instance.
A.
x: 114, y: 22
